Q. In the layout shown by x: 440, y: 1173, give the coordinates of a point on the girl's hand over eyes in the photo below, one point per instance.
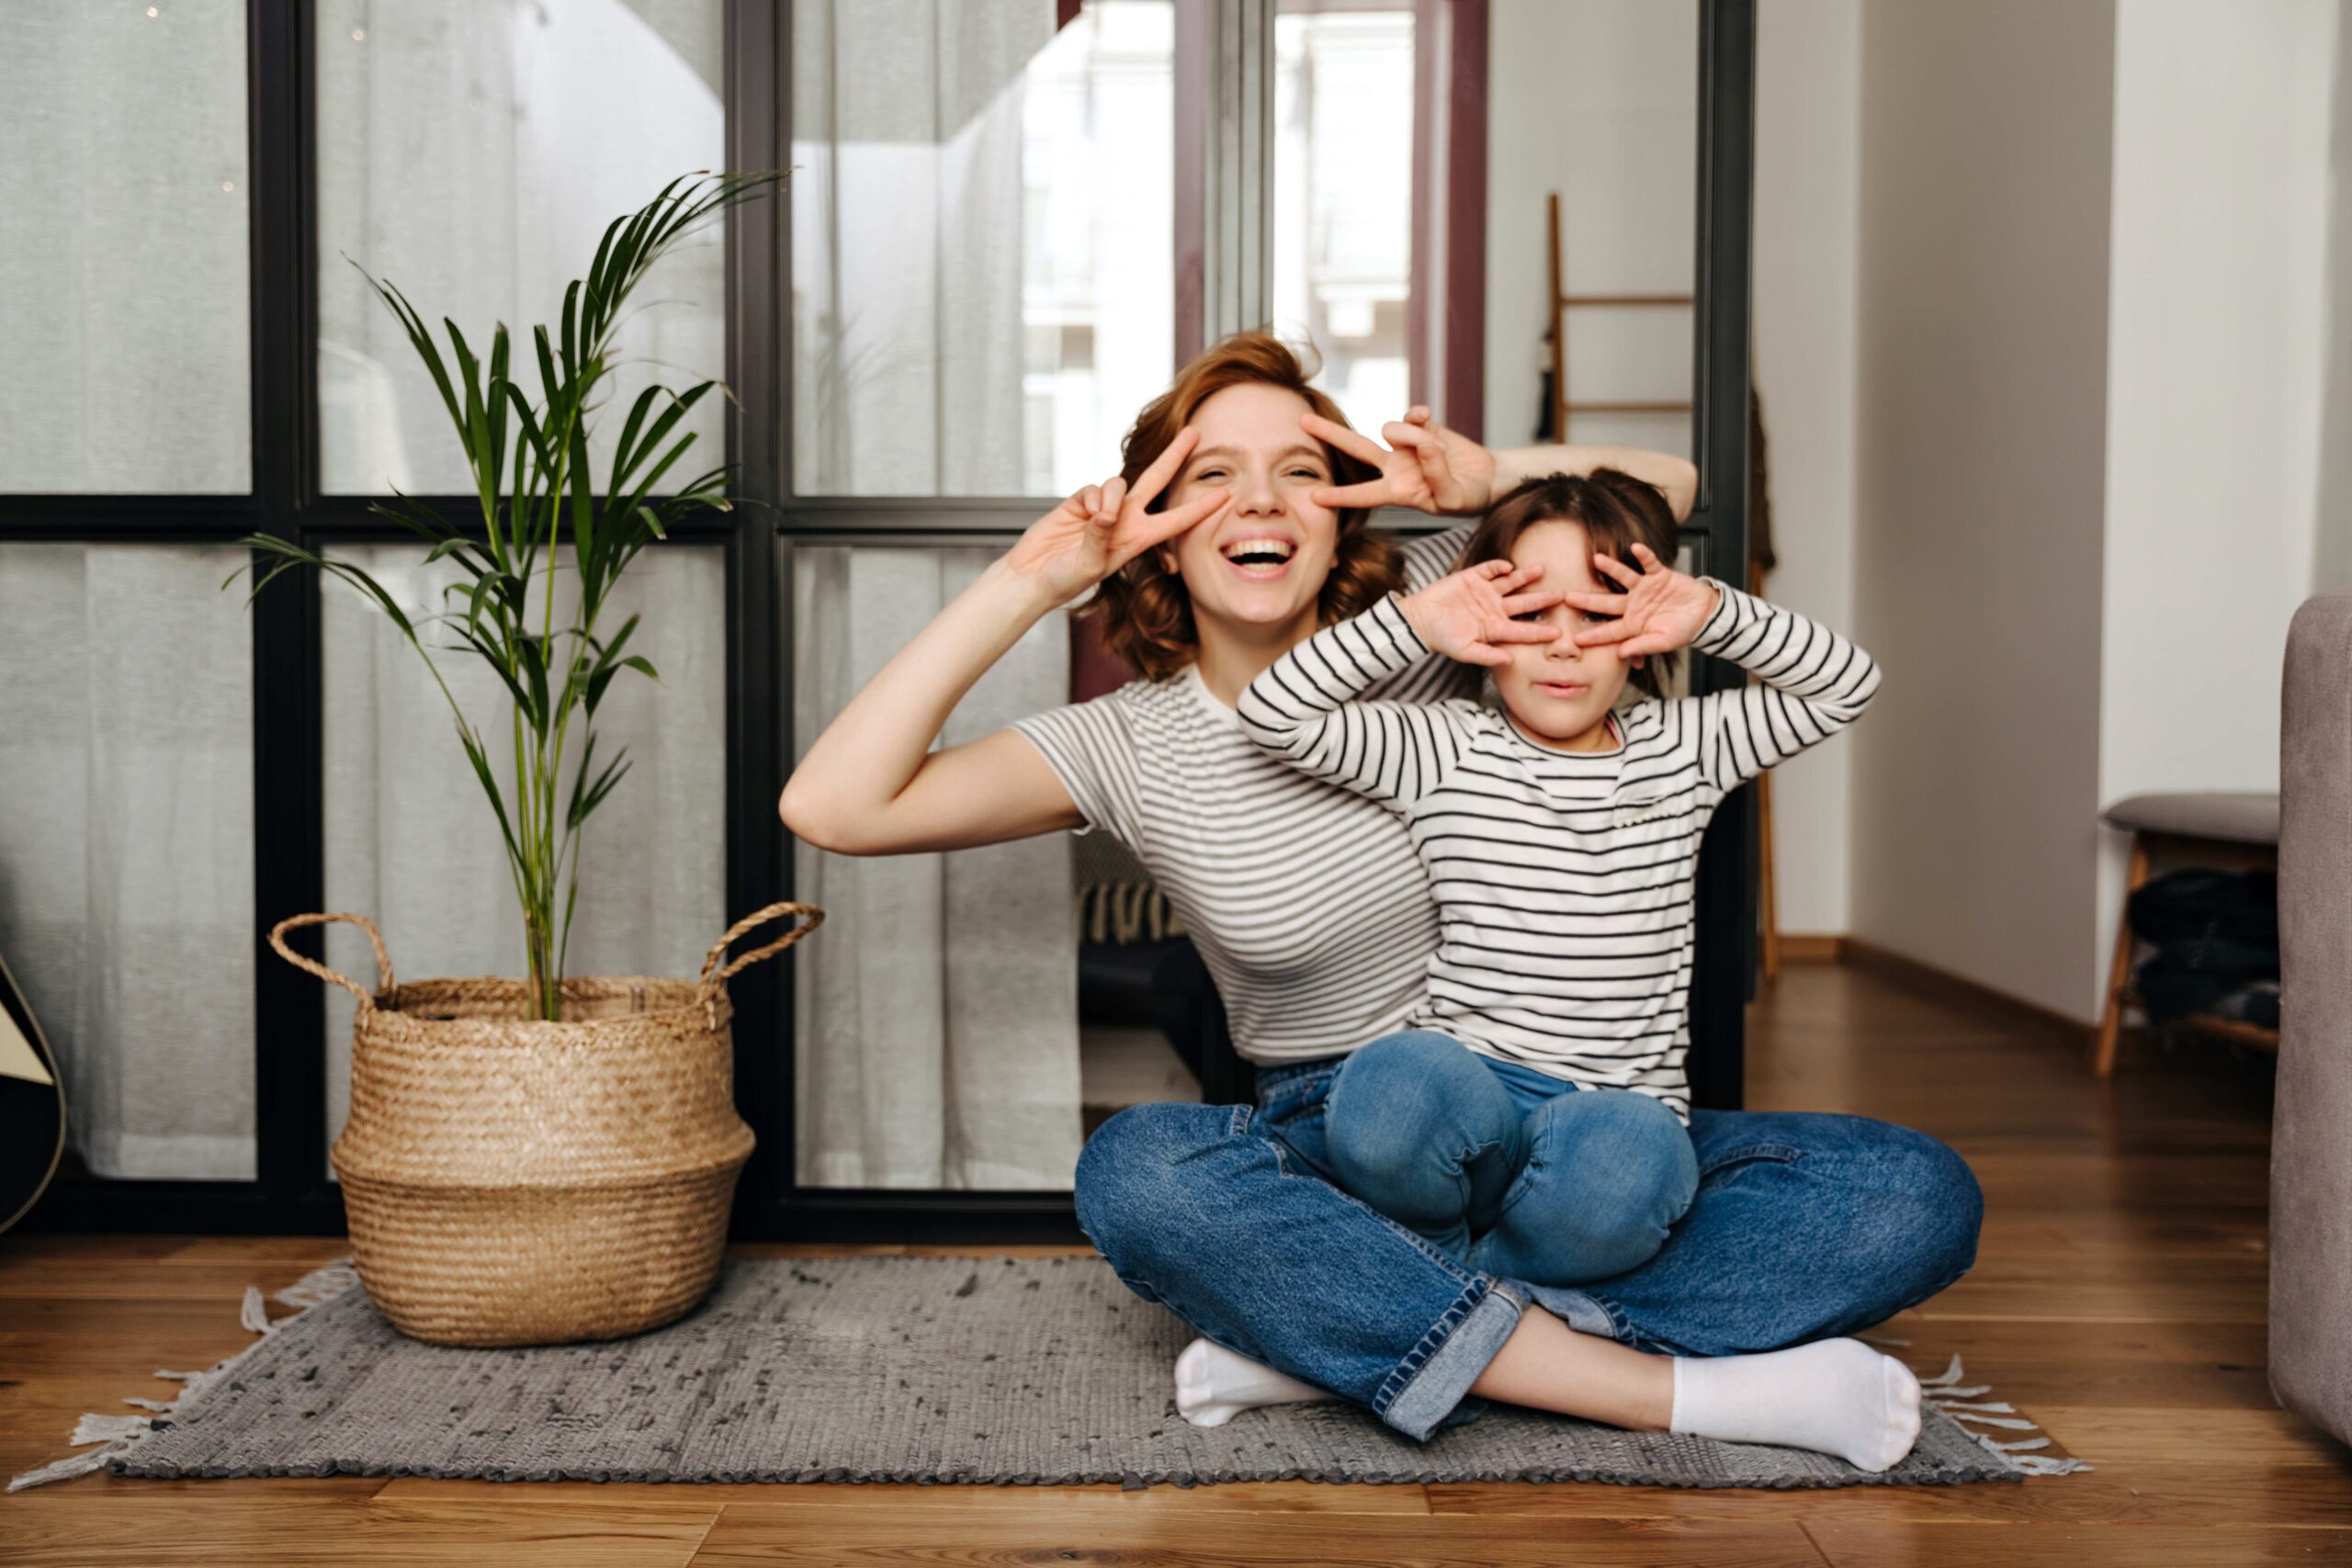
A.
x: 1472, y: 615
x: 1661, y: 609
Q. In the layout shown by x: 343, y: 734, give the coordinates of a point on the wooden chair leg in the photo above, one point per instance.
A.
x: 2118, y: 977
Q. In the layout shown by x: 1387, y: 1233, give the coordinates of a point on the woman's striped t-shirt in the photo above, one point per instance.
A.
x: 1566, y: 882
x: 1306, y: 902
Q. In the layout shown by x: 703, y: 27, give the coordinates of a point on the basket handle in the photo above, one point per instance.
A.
x: 713, y: 977
x: 383, y: 960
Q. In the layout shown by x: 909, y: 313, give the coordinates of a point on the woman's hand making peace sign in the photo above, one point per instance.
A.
x: 1103, y: 526
x: 1424, y: 465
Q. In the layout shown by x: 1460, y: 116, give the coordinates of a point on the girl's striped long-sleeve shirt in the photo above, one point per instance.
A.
x: 1565, y: 881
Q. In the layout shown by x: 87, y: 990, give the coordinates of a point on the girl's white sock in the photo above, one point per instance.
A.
x: 1214, y: 1385
x: 1835, y: 1396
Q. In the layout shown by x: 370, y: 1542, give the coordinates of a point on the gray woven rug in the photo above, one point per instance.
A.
x: 884, y: 1369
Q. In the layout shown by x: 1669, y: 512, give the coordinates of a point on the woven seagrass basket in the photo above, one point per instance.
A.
x: 512, y: 1181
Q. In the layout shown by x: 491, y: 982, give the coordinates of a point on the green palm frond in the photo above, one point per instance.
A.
x: 537, y: 493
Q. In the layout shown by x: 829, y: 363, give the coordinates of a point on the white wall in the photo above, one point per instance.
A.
x: 2215, y: 327
x: 1979, y: 497
x: 1808, y: 112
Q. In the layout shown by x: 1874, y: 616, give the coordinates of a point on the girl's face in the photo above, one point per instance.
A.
x: 1558, y: 693
x: 1258, y: 562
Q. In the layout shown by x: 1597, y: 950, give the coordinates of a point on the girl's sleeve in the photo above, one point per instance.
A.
x: 1303, y: 710
x: 1812, y: 683
x: 1429, y: 557
x: 1426, y: 558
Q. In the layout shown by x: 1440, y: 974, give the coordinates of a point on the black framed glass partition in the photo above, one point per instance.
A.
x: 1006, y: 224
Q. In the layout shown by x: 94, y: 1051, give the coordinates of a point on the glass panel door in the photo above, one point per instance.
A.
x: 123, y: 255
x: 125, y: 846
x: 472, y: 152
x: 981, y: 269
x: 1347, y: 186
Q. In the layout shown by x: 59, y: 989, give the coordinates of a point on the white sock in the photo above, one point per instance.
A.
x: 1214, y: 1385
x: 1835, y: 1396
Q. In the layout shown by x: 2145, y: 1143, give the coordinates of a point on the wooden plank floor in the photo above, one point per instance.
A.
x: 2118, y: 1299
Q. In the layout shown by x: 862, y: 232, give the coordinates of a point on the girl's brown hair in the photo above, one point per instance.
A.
x: 1145, y: 614
x: 1616, y: 511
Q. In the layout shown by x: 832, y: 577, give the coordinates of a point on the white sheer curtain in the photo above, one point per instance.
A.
x: 472, y: 152
x: 123, y: 248
x: 907, y: 245
x: 126, y: 845
x: 412, y: 844
x: 936, y: 1016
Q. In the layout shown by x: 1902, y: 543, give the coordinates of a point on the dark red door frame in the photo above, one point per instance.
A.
x: 1463, y: 309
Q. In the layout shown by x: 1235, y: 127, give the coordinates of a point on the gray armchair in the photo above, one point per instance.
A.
x: 2311, y: 1152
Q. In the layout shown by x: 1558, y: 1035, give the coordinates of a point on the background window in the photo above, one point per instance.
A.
x: 126, y: 845
x: 123, y: 282
x: 982, y: 275
x: 1344, y: 185
x: 472, y: 152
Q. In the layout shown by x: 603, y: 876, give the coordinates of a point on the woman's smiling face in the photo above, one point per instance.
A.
x: 1259, y: 560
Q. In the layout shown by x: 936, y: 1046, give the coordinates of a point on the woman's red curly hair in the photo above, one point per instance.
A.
x: 1145, y: 614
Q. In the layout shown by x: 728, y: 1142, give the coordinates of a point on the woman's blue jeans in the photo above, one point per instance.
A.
x: 1805, y: 1225
x: 1514, y: 1171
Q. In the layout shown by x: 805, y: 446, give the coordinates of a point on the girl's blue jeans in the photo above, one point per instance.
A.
x: 1803, y: 1226
x: 1514, y: 1171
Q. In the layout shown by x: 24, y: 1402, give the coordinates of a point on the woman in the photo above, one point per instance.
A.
x: 1235, y: 528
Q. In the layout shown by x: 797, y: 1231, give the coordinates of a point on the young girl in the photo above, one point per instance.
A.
x: 1530, y: 1117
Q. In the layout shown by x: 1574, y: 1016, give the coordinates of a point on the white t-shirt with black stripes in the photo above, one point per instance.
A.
x: 1306, y: 902
x: 1565, y: 881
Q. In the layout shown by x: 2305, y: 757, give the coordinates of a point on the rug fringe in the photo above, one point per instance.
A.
x: 322, y: 1284
x: 63, y: 1470
x: 1965, y: 1405
x: 116, y: 1433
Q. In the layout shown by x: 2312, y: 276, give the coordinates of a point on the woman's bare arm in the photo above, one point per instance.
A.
x: 1431, y: 469
x: 871, y: 784
x: 1676, y: 478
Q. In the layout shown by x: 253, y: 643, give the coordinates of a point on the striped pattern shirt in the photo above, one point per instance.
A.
x: 1565, y: 881
x: 1306, y: 902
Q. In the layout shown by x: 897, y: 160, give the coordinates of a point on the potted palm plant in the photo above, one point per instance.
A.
x: 553, y: 1156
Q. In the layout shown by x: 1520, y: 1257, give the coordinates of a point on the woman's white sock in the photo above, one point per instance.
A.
x: 1833, y: 1397
x: 1214, y: 1385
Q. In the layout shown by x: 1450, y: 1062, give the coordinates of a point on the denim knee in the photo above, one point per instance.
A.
x: 1633, y: 1170
x: 1391, y: 1098
x: 1931, y: 1211
x: 1655, y: 1172
x: 1132, y: 1186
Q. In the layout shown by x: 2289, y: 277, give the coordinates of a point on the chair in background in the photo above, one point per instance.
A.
x: 2239, y: 830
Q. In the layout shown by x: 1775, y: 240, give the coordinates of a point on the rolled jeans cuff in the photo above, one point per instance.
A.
x: 1430, y: 1382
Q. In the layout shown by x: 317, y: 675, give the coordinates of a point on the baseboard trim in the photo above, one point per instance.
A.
x: 1977, y: 998
x: 1822, y: 948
